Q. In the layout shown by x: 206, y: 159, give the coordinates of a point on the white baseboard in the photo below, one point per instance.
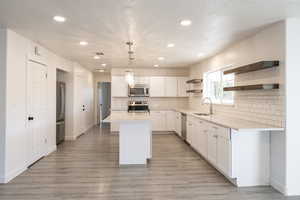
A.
x: 51, y: 150
x: 13, y: 174
x: 278, y: 186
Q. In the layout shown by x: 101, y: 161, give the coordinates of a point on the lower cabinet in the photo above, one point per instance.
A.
x: 242, y: 156
x: 212, y: 142
x: 158, y: 119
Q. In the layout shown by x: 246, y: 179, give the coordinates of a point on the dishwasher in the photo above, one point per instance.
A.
x: 183, y: 126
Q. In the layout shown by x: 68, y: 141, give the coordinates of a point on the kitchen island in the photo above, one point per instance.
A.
x: 135, y: 137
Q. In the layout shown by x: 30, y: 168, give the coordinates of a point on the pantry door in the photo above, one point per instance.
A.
x: 36, y: 109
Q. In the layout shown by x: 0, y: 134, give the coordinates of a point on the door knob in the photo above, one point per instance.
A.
x: 30, y: 118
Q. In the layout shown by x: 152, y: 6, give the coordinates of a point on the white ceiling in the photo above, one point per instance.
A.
x: 108, y: 24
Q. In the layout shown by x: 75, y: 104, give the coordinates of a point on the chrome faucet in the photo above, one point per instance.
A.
x: 210, y: 104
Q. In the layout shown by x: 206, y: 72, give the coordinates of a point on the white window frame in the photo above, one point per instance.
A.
x: 206, y: 93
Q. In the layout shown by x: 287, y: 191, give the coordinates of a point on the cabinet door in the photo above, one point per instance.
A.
x: 170, y: 121
x: 224, y: 155
x: 182, y: 86
x: 201, y: 135
x: 158, y: 120
x: 171, y: 86
x: 212, y: 145
x: 142, y: 80
x: 157, y: 86
x: 119, y: 86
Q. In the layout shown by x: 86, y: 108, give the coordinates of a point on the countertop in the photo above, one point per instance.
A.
x: 233, y: 123
x: 117, y: 116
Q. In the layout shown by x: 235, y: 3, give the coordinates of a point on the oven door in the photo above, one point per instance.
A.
x: 137, y: 92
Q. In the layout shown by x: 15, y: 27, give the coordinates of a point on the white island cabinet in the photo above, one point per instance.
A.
x: 135, y: 137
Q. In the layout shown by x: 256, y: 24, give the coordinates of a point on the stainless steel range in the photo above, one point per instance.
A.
x: 138, y: 106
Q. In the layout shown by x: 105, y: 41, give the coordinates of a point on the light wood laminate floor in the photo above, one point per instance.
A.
x: 88, y: 169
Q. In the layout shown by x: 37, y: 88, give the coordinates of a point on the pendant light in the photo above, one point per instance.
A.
x: 129, y: 75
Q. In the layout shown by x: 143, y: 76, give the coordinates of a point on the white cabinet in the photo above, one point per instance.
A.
x: 142, y: 80
x: 191, y: 132
x: 168, y: 86
x: 157, y: 86
x: 158, y: 119
x: 224, y: 150
x: 171, y: 87
x: 212, y: 146
x: 182, y: 86
x: 119, y: 86
x: 202, y: 138
x: 170, y: 120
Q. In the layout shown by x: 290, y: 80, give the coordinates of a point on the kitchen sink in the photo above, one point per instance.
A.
x: 202, y: 114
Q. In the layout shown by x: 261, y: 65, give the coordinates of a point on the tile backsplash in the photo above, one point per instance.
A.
x: 264, y: 106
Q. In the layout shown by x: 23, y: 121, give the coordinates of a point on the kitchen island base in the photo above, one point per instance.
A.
x: 135, y: 142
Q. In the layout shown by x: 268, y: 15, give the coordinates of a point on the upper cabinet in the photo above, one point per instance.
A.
x: 171, y: 87
x: 160, y: 86
x: 157, y: 86
x: 119, y: 86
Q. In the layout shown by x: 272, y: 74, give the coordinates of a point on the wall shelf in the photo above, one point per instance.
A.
x: 194, y: 81
x: 253, y: 87
x: 253, y: 67
x: 194, y: 91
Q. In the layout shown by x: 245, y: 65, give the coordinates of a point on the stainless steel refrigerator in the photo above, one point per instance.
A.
x: 60, y: 111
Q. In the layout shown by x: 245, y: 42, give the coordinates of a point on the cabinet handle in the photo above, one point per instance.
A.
x: 215, y: 136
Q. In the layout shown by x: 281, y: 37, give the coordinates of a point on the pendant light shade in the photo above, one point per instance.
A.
x: 129, y: 76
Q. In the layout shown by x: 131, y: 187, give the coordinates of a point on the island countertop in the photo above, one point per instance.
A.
x: 121, y: 116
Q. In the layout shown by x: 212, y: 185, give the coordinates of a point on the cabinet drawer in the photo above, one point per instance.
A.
x: 221, y: 131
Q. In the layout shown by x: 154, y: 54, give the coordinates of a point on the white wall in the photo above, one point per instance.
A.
x: 292, y: 107
x: 16, y: 123
x: 2, y: 101
x: 13, y: 101
x: 260, y: 106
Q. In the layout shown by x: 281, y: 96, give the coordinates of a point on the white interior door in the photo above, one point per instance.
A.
x: 37, y: 107
x: 81, y: 104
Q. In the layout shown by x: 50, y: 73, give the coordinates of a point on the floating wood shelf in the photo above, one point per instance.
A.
x: 253, y: 87
x: 195, y: 81
x: 194, y: 91
x: 253, y: 67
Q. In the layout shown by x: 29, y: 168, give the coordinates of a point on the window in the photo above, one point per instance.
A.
x: 214, y: 82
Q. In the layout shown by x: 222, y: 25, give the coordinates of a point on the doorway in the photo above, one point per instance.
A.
x: 104, y: 101
x: 60, y: 106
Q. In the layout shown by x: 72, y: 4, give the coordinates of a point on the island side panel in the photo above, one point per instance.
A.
x: 135, y: 142
x: 251, y: 157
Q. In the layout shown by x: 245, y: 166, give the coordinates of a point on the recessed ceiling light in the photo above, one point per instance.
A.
x: 186, y: 22
x: 200, y: 54
x: 170, y: 45
x: 83, y: 43
x: 96, y: 57
x: 103, y: 65
x: 160, y: 58
x: 100, y: 70
x: 59, y: 19
x: 155, y: 65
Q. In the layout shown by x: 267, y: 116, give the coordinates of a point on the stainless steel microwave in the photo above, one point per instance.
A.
x: 139, y: 90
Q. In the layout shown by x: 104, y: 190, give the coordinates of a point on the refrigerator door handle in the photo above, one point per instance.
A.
x: 62, y: 107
